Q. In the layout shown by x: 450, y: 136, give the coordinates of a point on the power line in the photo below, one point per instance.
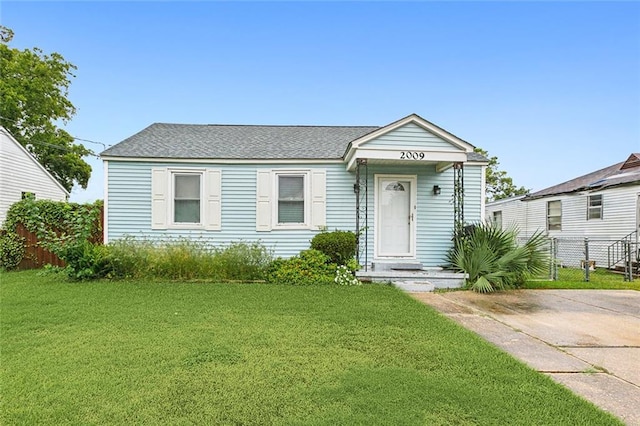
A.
x: 59, y: 147
x: 74, y: 137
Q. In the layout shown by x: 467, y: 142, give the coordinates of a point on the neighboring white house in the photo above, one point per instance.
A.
x: 603, y: 206
x: 21, y: 175
x: 400, y: 187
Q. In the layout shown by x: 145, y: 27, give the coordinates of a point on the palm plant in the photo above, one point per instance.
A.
x: 493, y: 260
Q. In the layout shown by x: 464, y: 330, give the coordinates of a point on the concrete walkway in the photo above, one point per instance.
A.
x: 587, y: 340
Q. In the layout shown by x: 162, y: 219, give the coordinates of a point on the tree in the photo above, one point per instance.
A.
x: 499, y: 185
x: 34, y: 87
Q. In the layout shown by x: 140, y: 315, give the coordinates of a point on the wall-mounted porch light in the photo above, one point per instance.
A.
x: 437, y: 190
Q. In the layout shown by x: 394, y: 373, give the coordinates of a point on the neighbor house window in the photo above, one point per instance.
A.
x: 186, y: 197
x: 497, y: 219
x: 594, y: 207
x: 291, y: 199
x: 554, y: 215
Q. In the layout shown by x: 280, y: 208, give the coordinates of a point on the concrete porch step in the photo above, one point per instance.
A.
x: 414, y: 286
x: 423, y: 280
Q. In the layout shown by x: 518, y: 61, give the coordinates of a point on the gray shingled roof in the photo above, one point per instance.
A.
x: 247, y: 142
x: 161, y: 140
x: 626, y: 172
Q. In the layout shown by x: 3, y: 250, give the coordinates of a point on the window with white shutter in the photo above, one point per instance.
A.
x: 186, y: 198
x: 290, y: 199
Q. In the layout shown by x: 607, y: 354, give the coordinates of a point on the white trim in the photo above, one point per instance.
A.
x: 483, y: 192
x: 417, y: 120
x: 171, y: 224
x: 413, y: 208
x: 223, y: 160
x: 306, y: 175
x: 430, y: 157
x: 11, y: 138
x: 105, y: 204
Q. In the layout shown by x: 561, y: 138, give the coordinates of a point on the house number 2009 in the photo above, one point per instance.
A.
x: 411, y: 155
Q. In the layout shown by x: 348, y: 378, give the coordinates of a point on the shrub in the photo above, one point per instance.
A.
x: 181, y: 260
x: 242, y: 262
x: 309, y: 267
x: 340, y: 246
x: 185, y: 259
x: 85, y: 260
x: 130, y: 258
x: 493, y: 260
x: 11, y: 250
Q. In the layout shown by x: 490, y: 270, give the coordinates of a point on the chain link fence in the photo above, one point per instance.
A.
x: 576, y: 259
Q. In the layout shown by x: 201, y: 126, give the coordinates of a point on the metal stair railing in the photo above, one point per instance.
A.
x: 617, y: 252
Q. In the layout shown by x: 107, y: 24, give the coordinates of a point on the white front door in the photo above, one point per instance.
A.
x: 395, y: 212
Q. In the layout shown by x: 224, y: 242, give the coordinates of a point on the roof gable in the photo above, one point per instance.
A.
x: 624, y: 173
x: 31, y: 158
x: 419, y: 130
x: 632, y: 162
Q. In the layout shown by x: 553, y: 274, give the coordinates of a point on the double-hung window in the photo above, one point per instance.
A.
x: 497, y: 219
x: 594, y: 207
x: 291, y: 199
x: 187, y: 197
x: 554, y: 215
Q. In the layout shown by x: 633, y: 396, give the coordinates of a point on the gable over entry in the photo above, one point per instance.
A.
x: 409, y: 144
x: 409, y: 140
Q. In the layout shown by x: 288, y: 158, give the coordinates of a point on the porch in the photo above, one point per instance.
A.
x: 416, y: 280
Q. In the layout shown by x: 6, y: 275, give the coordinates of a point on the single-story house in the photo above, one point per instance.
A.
x: 400, y: 187
x: 22, y: 176
x: 603, y: 205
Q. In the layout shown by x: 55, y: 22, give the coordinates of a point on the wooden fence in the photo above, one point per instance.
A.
x: 36, y: 257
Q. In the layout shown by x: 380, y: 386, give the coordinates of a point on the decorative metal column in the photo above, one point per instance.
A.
x: 458, y: 198
x: 362, y: 211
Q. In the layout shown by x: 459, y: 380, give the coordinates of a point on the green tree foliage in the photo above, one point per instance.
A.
x: 499, y: 185
x: 33, y: 96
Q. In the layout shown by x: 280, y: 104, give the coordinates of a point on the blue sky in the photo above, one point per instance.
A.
x: 551, y: 88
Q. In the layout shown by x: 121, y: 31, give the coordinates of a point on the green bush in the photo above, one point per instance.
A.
x: 493, y: 259
x: 309, y: 267
x: 241, y: 262
x: 181, y: 260
x: 340, y: 246
x: 11, y: 250
x: 185, y: 259
x: 85, y: 260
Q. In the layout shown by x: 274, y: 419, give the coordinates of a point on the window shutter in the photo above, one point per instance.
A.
x: 318, y: 198
x: 159, y: 198
x: 263, y: 200
x: 212, y: 200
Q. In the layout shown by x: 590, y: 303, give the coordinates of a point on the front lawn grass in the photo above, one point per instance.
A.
x: 141, y: 352
x: 572, y: 278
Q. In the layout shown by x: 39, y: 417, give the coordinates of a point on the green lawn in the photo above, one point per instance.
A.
x: 185, y: 353
x: 601, y: 279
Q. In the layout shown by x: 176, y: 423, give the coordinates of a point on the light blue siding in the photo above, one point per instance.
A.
x: 472, y: 193
x: 129, y: 206
x: 434, y: 213
x: 411, y: 136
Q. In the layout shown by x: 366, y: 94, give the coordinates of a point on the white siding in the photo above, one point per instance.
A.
x: 618, y: 215
x: 20, y: 172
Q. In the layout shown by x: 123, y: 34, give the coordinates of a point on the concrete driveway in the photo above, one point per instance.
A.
x: 587, y: 340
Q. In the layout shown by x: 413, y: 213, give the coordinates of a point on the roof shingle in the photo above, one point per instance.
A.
x: 622, y: 173
x: 162, y: 140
